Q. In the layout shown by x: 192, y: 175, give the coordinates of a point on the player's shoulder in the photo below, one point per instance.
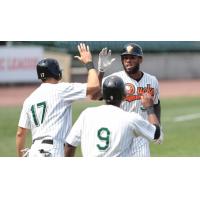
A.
x: 70, y: 86
x: 120, y: 74
x: 26, y: 101
x: 31, y: 96
x: 130, y: 118
x: 90, y: 112
x: 133, y: 115
x: 149, y: 76
x: 103, y: 110
x: 134, y: 118
x: 88, y: 109
x: 63, y: 85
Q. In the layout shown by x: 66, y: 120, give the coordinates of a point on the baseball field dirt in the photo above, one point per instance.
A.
x: 15, y: 95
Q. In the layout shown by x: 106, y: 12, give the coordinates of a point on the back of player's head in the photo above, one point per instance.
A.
x: 132, y: 49
x: 113, y: 90
x: 48, y: 67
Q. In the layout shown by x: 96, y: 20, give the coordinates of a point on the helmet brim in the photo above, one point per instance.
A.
x: 131, y: 54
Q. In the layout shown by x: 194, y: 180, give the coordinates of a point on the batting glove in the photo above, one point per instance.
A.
x: 25, y: 152
x: 105, y: 60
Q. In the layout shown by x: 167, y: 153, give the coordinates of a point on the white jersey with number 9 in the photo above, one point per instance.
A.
x: 108, y: 131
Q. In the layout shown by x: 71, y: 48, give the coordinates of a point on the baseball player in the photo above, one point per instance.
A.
x: 47, y: 111
x: 137, y: 83
x: 107, y: 130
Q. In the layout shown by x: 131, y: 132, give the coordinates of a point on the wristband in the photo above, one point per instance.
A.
x: 89, y: 65
x: 150, y: 110
x: 157, y: 132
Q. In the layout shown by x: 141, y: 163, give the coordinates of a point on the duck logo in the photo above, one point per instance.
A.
x: 129, y: 49
x: 133, y: 94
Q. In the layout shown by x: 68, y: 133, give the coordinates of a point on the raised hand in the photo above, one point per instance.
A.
x: 146, y: 100
x: 85, y: 54
x: 105, y: 60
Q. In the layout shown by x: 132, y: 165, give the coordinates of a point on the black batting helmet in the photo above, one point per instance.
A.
x: 113, y: 89
x: 48, y: 68
x: 132, y: 49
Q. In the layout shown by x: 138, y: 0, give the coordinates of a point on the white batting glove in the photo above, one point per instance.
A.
x: 105, y: 60
x: 25, y: 152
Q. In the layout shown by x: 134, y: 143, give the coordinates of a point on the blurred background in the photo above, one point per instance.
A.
x: 165, y: 59
x: 174, y: 63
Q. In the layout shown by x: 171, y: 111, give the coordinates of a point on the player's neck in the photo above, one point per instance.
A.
x: 51, y: 80
x: 117, y: 104
x: 136, y: 76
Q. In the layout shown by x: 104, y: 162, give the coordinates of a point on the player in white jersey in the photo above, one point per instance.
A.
x: 47, y: 111
x: 137, y: 83
x: 107, y: 130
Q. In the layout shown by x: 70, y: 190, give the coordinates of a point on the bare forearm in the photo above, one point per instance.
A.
x: 98, y: 95
x: 153, y: 113
x: 147, y: 102
x: 100, y: 76
x: 152, y: 117
x: 20, y: 141
x: 92, y: 80
x: 93, y: 85
x: 69, y: 150
x: 157, y: 110
x: 20, y: 145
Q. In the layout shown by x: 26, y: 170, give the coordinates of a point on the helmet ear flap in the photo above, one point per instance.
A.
x: 42, y: 76
x: 60, y: 75
x: 42, y: 70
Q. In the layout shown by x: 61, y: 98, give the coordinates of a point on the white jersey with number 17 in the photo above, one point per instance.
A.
x: 47, y: 111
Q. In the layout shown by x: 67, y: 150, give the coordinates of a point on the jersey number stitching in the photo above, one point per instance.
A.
x: 103, y: 135
x: 41, y: 105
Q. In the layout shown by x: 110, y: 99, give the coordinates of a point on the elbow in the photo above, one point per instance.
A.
x: 97, y: 89
x: 69, y: 150
x: 20, y: 140
x: 19, y: 134
x: 94, y: 93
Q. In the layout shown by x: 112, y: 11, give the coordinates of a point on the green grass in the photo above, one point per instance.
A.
x: 9, y: 117
x: 181, y: 138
